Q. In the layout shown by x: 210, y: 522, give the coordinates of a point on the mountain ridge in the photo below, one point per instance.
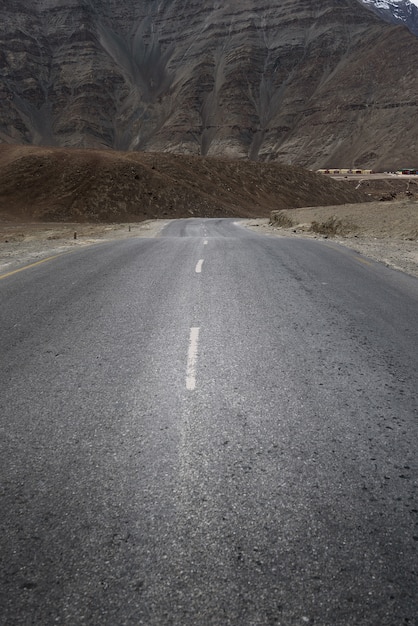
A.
x: 313, y: 83
x: 396, y: 12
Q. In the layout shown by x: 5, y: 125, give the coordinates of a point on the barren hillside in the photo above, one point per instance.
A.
x: 56, y: 184
x: 309, y: 82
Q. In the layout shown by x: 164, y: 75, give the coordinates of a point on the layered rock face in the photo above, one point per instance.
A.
x: 312, y: 82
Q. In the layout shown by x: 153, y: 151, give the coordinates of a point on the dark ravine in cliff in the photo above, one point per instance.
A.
x: 310, y: 82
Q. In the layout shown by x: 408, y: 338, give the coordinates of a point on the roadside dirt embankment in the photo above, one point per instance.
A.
x: 384, y: 231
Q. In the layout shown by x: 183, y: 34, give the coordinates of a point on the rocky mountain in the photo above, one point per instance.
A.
x: 396, y: 12
x: 312, y: 82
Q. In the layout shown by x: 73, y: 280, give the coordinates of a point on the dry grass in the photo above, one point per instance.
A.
x: 333, y: 226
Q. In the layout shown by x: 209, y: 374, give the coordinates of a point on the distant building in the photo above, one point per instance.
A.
x: 345, y: 171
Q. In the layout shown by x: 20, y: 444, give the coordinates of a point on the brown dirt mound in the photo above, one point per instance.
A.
x: 378, y: 220
x: 57, y: 184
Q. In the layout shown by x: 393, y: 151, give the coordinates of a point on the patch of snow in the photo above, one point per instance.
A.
x: 385, y: 4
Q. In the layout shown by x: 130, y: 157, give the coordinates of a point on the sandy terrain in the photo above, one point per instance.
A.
x: 384, y: 231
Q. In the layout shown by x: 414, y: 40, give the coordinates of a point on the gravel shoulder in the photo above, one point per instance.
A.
x: 25, y: 243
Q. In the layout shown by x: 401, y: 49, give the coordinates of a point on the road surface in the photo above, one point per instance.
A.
x: 212, y: 427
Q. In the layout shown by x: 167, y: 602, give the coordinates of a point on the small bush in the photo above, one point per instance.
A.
x: 280, y: 218
x: 332, y: 226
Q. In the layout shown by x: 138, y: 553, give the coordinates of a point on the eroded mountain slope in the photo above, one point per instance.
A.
x: 314, y: 82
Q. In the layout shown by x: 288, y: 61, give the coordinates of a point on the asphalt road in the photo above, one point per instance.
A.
x: 211, y: 427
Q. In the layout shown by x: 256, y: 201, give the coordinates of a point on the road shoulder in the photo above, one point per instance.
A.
x: 394, y: 252
x: 25, y: 243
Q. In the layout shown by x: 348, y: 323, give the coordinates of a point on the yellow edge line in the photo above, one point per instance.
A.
x: 365, y: 262
x: 27, y: 267
x: 340, y: 247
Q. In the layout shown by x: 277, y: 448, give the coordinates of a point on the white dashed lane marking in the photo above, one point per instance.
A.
x: 192, y: 358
